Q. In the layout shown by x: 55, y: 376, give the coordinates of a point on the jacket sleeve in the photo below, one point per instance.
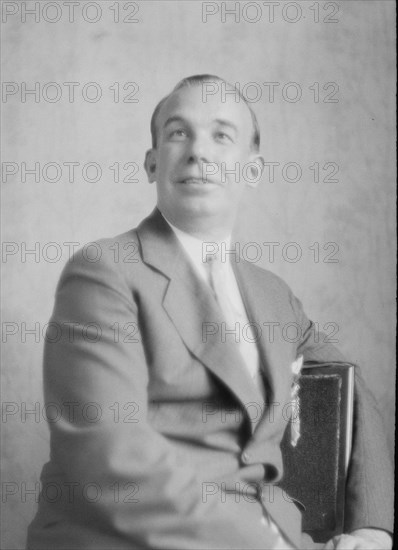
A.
x: 369, y: 484
x: 96, y: 372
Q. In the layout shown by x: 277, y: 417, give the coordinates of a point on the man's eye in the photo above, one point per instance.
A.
x: 222, y: 136
x: 178, y: 133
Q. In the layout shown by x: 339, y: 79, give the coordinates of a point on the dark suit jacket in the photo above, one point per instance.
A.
x: 159, y: 439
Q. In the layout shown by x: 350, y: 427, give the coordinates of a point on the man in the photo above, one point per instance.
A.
x: 159, y: 445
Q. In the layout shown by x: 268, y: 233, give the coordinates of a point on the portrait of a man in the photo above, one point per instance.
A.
x: 171, y: 372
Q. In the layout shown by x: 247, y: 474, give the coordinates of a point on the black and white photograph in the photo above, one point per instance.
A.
x: 198, y: 274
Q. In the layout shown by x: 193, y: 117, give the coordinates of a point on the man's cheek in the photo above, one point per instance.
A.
x: 230, y: 172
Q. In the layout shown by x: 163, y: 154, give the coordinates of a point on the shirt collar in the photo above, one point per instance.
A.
x: 197, y: 248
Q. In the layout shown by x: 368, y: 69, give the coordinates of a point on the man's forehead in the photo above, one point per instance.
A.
x: 191, y: 102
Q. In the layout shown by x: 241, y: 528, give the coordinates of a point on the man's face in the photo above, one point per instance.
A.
x: 198, y: 142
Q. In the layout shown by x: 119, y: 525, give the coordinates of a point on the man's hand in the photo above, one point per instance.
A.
x: 361, y: 539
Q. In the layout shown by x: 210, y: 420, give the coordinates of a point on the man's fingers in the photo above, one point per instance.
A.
x: 346, y: 542
x: 361, y: 539
x: 351, y: 542
x: 373, y: 539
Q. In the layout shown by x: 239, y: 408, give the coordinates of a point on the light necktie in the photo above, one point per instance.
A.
x: 236, y: 322
x: 218, y: 283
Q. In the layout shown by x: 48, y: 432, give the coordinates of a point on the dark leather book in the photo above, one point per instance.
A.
x: 315, y: 463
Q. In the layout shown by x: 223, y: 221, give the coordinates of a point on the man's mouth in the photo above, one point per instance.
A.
x: 197, y: 181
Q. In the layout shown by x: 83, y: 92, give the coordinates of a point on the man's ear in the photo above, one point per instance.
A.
x: 254, y: 170
x: 150, y: 165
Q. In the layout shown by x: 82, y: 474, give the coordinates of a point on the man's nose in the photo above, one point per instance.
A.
x: 198, y: 151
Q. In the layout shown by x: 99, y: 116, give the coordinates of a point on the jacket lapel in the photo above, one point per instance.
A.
x: 275, y: 353
x: 194, y: 312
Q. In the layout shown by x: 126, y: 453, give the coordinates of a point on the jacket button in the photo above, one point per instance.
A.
x: 246, y: 456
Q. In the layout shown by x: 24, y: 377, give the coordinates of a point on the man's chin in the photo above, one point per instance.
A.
x: 199, y: 208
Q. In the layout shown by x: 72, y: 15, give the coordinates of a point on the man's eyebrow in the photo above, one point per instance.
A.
x: 174, y: 118
x: 223, y: 122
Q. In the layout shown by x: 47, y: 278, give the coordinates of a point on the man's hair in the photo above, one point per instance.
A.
x: 195, y: 80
